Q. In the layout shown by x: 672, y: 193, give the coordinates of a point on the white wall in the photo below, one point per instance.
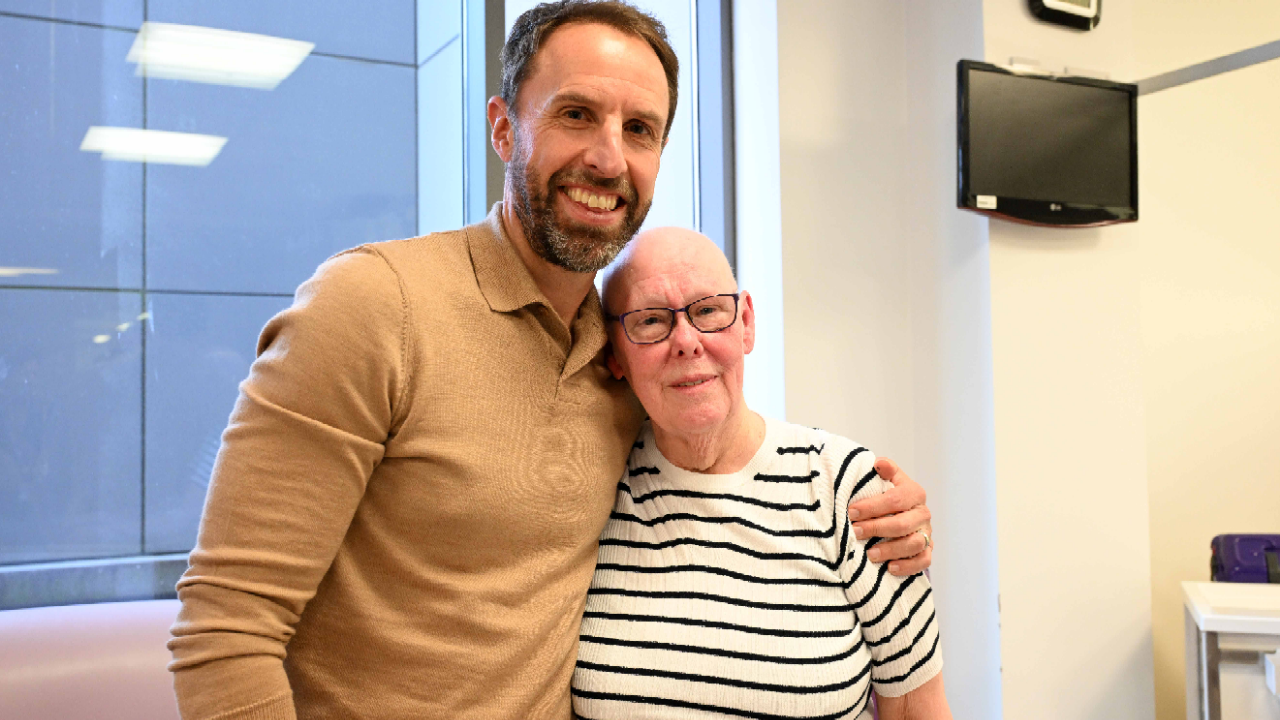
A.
x: 1172, y: 34
x: 1070, y: 434
x: 951, y: 352
x: 885, y: 282
x: 1117, y: 352
x: 1210, y: 303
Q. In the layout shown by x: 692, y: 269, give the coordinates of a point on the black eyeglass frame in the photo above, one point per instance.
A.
x: 673, y: 311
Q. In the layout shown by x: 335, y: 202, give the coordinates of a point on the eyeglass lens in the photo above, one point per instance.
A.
x: 654, y: 324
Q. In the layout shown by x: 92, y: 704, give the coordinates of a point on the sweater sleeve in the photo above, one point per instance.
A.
x: 307, y: 431
x: 896, y: 614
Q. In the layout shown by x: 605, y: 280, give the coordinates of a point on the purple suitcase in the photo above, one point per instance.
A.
x: 1245, y: 558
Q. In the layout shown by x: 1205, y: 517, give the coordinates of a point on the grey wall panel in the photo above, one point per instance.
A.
x: 79, y: 582
x: 68, y: 214
x: 381, y: 30
x: 199, y: 349
x: 70, y: 432
x: 323, y: 162
x: 120, y: 13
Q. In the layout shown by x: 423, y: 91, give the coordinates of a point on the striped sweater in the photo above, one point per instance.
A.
x: 746, y: 594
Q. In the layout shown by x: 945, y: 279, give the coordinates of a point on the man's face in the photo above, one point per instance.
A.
x: 587, y: 143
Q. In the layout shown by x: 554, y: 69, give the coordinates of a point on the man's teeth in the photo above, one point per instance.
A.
x: 691, y: 383
x: 592, y: 200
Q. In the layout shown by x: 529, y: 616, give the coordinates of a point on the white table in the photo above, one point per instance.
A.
x: 1229, y: 627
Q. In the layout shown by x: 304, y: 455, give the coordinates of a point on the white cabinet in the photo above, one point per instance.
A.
x: 1231, y: 629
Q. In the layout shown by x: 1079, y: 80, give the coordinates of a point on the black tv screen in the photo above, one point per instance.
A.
x: 1048, y: 150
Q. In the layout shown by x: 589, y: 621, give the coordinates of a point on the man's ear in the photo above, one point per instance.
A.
x: 614, y: 366
x: 503, y: 137
x: 748, y: 323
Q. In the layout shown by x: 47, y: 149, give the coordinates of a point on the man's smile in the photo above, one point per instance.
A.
x: 593, y: 199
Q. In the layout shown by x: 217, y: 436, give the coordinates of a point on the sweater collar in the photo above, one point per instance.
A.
x: 507, y: 286
x: 504, y: 280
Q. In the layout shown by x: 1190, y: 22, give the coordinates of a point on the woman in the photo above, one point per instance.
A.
x: 729, y: 582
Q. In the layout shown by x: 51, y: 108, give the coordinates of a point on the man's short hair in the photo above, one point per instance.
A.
x: 533, y: 28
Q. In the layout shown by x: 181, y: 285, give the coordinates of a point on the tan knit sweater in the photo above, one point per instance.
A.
x: 403, y: 518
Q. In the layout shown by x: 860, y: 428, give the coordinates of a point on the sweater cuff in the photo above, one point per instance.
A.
x: 275, y: 708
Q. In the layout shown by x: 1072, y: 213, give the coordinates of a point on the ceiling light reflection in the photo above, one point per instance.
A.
x: 219, y: 57
x: 16, y: 271
x: 152, y: 146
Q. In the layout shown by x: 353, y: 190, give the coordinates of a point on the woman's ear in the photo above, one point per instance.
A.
x: 614, y: 366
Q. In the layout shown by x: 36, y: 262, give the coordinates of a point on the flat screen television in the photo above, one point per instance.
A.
x: 1045, y: 149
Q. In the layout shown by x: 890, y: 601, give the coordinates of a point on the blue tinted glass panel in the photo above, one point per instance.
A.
x: 70, y: 430
x: 67, y: 217
x: 323, y: 162
x: 440, y: 177
x: 119, y: 13
x: 199, y: 349
x: 439, y: 21
x: 381, y: 30
x: 107, y: 435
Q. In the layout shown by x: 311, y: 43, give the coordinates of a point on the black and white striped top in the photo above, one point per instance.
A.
x: 746, y: 594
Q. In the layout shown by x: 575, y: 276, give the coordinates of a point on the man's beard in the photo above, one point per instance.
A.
x: 581, y: 249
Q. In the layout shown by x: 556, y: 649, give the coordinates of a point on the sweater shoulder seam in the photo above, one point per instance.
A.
x: 406, y: 339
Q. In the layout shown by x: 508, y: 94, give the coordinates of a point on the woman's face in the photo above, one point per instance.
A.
x: 690, y: 383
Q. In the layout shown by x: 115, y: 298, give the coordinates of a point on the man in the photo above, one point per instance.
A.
x: 403, y: 518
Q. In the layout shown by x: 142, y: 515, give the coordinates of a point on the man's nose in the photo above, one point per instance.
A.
x: 685, y: 338
x: 604, y: 155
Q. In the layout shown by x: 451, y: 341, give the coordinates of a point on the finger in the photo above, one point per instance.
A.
x: 913, y: 565
x: 887, y: 468
x: 891, y: 473
x: 897, y: 549
x: 904, y: 494
x: 893, y: 500
x: 894, y: 526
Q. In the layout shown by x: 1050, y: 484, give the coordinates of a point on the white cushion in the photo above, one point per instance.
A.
x: 103, y: 661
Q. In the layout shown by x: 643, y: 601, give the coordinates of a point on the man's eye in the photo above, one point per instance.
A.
x: 575, y: 114
x: 639, y: 128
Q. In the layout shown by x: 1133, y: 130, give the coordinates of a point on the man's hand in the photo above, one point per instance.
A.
x: 896, y: 516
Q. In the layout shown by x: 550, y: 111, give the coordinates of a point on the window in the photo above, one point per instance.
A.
x: 132, y: 292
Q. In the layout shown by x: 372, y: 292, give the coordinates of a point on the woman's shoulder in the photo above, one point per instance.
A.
x: 845, y: 464
x: 793, y: 439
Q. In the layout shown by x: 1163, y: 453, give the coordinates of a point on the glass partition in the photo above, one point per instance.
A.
x: 170, y: 172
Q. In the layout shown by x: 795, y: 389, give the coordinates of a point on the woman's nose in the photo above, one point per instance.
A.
x: 685, y: 338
